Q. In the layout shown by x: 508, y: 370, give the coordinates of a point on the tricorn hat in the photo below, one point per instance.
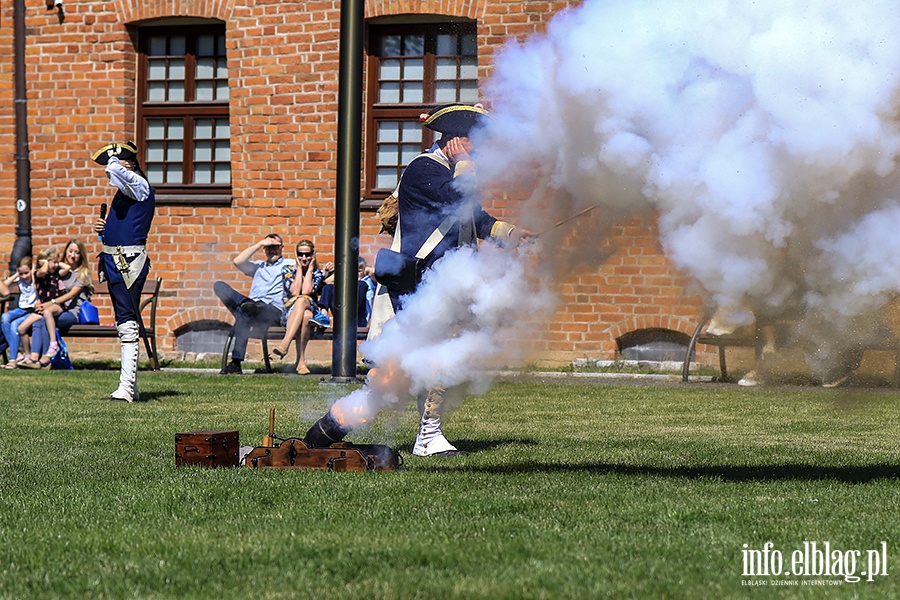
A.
x: 123, y: 151
x: 454, y: 119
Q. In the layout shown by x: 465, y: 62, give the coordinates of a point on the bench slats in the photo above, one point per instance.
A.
x: 277, y: 333
x: 149, y: 295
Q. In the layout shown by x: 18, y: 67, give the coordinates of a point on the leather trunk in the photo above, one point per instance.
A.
x: 207, y: 448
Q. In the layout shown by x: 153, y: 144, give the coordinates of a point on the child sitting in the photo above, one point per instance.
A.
x: 14, y: 317
x: 48, y: 287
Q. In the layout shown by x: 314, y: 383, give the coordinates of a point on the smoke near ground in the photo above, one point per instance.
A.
x: 765, y: 136
x: 467, y: 317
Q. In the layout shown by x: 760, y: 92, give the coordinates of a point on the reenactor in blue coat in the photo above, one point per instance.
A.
x: 123, y: 261
x: 435, y: 216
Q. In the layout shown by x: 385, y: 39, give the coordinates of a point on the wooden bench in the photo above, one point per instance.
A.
x: 149, y: 298
x: 742, y: 339
x: 264, y: 334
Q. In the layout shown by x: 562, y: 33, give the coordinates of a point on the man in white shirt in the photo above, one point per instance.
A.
x: 264, y: 307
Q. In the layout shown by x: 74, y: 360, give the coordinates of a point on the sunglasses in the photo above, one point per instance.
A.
x: 305, y: 254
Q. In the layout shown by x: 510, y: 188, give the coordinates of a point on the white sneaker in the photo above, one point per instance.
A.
x: 749, y: 380
x: 836, y: 382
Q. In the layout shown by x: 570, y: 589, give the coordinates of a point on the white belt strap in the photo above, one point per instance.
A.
x: 129, y: 270
x: 126, y: 250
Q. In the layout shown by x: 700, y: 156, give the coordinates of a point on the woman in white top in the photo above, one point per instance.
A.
x: 61, y: 312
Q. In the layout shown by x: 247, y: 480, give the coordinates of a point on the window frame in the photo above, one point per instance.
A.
x: 187, y: 111
x: 377, y: 111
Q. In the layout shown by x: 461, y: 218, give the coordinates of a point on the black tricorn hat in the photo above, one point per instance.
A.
x: 454, y: 119
x: 123, y: 151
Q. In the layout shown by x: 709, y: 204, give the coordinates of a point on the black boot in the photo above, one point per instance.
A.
x: 232, y: 368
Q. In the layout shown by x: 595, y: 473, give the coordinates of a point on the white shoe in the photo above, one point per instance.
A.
x: 836, y: 382
x: 748, y: 380
x: 432, y: 445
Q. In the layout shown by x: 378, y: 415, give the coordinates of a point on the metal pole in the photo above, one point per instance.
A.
x: 343, y: 350
x: 22, y: 246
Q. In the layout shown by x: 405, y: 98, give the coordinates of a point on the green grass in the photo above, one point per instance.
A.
x: 573, y: 491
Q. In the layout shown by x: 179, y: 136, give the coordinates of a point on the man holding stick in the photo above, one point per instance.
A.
x: 435, y: 217
x: 123, y: 261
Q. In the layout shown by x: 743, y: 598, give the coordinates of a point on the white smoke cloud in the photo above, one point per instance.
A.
x: 765, y: 135
x: 461, y: 322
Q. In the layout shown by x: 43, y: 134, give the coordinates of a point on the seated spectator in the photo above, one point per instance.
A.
x: 265, y: 304
x: 62, y: 312
x: 304, y: 312
x: 75, y: 287
x: 368, y: 278
x: 14, y: 317
x: 326, y: 296
x: 364, y: 297
x: 49, y: 287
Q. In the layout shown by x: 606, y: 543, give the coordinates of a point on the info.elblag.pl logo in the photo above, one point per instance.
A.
x: 819, y: 560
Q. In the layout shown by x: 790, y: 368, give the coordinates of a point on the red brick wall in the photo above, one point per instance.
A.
x: 283, y: 62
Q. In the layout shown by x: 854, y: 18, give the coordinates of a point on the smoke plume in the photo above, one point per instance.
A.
x: 764, y: 136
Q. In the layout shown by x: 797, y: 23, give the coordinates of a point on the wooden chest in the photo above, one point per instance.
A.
x: 207, y: 448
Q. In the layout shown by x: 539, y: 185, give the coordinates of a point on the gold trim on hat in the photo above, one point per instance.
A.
x: 116, y: 147
x: 453, y: 108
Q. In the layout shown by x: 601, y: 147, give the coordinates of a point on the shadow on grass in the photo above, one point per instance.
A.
x: 485, y: 445
x: 160, y: 394
x: 780, y: 472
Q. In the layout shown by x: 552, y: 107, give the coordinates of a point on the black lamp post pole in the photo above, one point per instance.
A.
x: 343, y: 352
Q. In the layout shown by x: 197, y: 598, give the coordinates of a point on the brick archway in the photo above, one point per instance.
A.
x: 135, y: 10
x: 205, y: 313
x: 469, y: 9
x: 679, y: 324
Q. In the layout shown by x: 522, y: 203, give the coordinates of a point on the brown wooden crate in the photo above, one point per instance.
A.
x: 207, y: 448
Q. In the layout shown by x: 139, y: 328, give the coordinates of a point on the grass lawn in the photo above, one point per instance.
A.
x: 573, y: 490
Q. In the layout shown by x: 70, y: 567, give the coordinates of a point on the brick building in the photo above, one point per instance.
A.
x: 234, y: 104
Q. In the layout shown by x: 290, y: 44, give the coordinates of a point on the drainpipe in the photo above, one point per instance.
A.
x: 22, y: 246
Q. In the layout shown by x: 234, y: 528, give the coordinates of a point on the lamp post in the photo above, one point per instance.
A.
x: 343, y: 349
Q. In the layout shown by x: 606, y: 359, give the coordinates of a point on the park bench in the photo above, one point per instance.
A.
x: 750, y: 338
x: 149, y: 298
x: 264, y: 334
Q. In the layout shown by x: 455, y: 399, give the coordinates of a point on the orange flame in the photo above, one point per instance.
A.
x: 383, y: 378
x: 338, y: 415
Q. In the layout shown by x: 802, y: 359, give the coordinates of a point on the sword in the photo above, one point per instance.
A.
x: 567, y: 219
x: 122, y: 265
x: 136, y: 305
